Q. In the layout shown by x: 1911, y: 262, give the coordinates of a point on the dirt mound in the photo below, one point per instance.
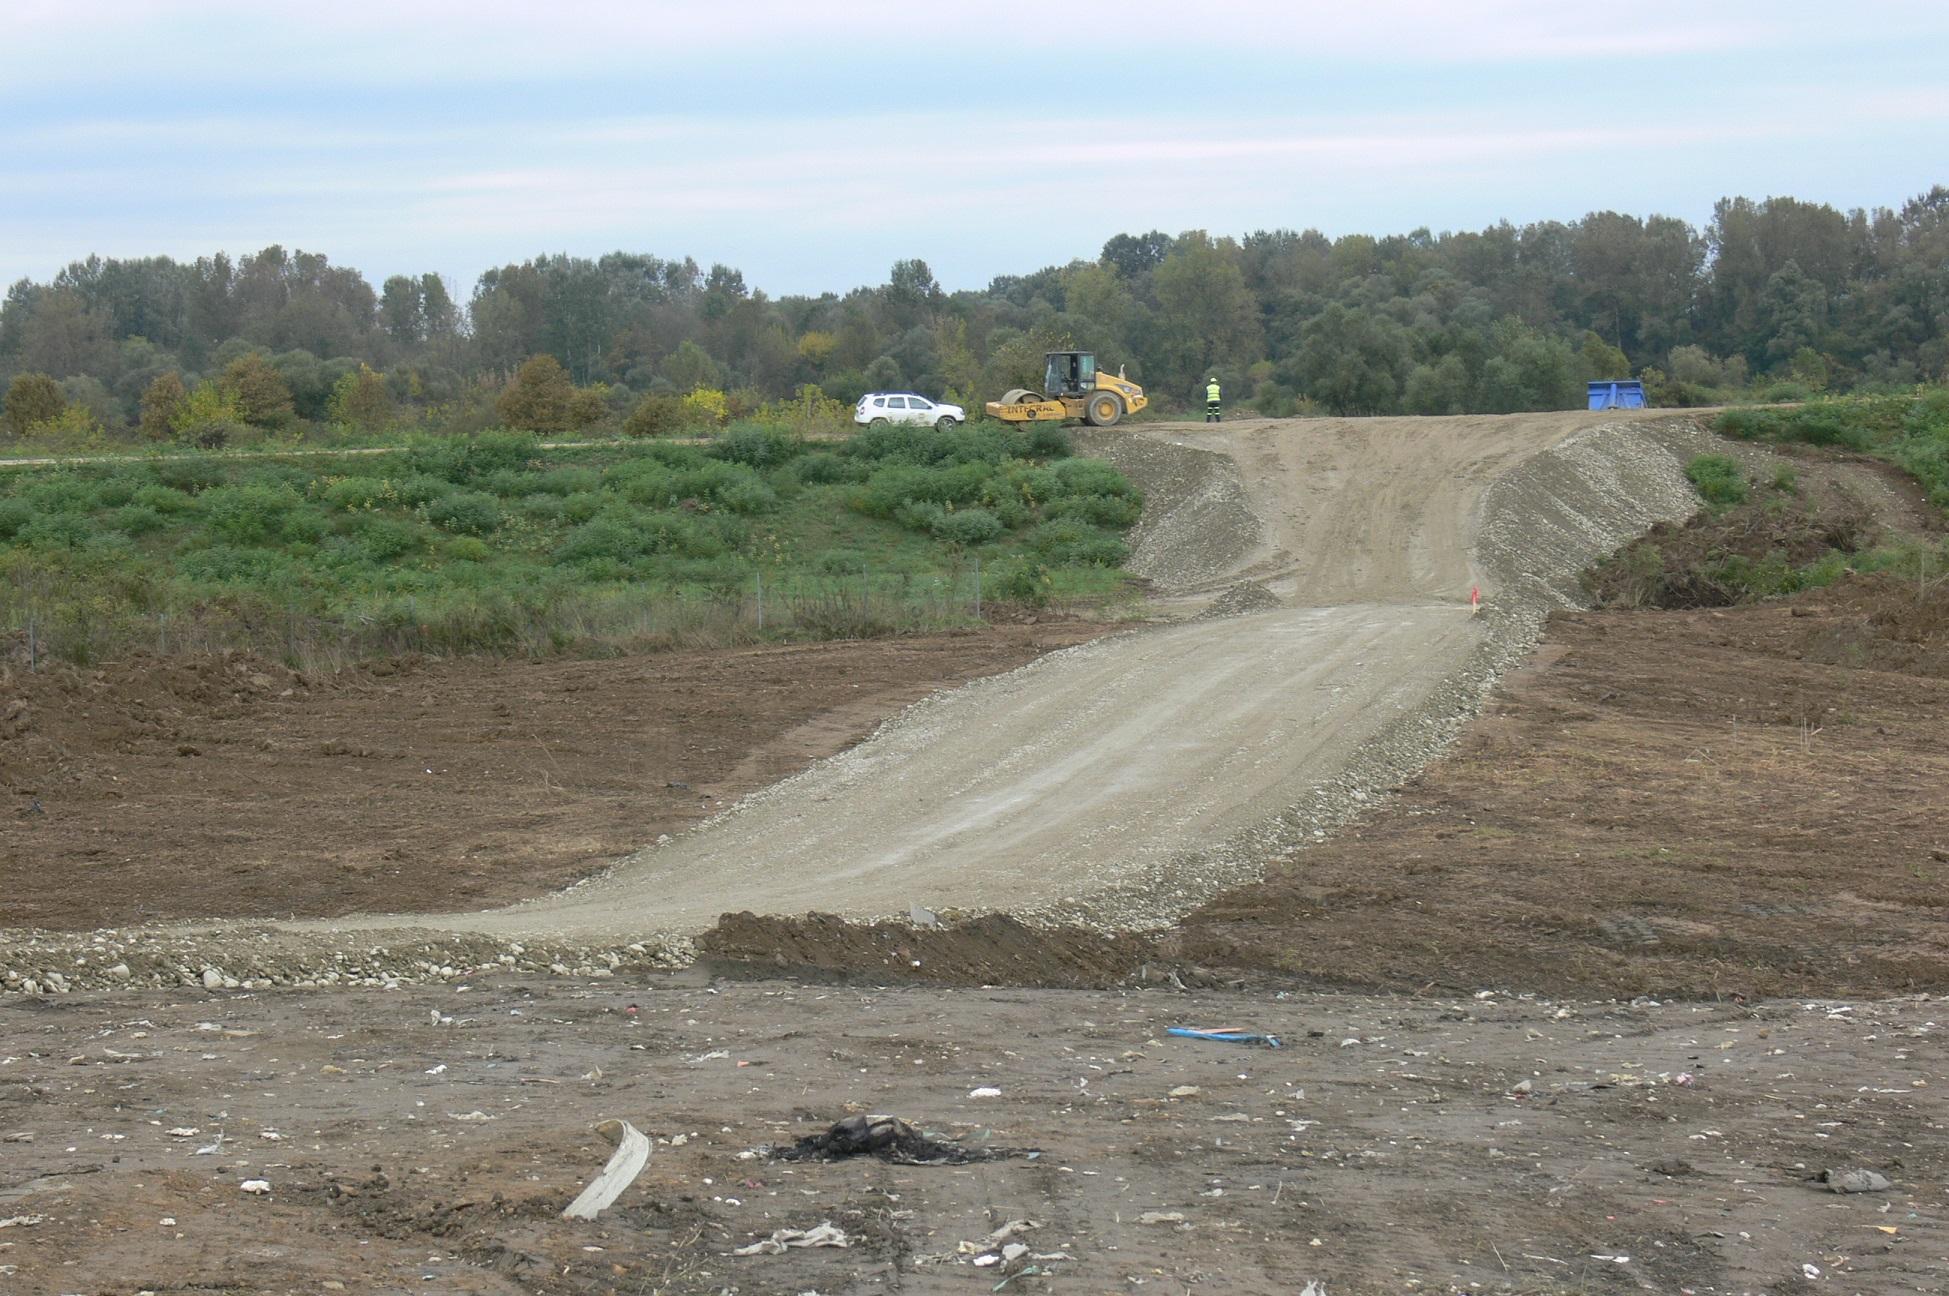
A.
x: 1241, y: 599
x: 993, y: 949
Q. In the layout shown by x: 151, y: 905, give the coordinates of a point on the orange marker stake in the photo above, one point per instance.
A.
x: 1475, y: 599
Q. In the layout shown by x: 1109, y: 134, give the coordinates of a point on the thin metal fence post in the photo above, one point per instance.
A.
x: 977, y: 587
x: 760, y: 578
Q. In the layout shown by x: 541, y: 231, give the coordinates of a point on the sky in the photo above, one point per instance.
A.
x: 812, y: 145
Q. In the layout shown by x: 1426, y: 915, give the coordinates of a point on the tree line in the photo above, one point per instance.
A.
x: 1778, y: 296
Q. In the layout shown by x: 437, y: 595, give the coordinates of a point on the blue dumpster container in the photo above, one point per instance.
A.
x: 1617, y: 393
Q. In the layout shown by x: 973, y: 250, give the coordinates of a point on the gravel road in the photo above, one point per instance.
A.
x: 1125, y: 781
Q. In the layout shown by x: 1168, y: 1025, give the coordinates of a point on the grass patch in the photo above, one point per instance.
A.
x: 495, y: 543
x: 1909, y: 429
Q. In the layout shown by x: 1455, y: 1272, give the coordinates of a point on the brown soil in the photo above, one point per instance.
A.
x: 1740, y: 802
x: 427, y: 1140
x: 231, y: 787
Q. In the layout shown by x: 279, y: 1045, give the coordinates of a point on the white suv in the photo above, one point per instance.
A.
x: 877, y: 409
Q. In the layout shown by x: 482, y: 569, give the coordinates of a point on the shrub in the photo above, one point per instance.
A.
x: 466, y: 548
x: 136, y: 520
x: 56, y: 531
x: 378, y: 538
x: 543, y: 508
x: 15, y: 514
x: 624, y: 537
x: 567, y: 481
x: 582, y: 506
x: 1049, y: 441
x: 1720, y: 480
x: 189, y: 474
x: 247, y: 515
x: 1114, y: 511
x: 1091, y: 477
x: 61, y: 493
x: 823, y: 468
x: 359, y: 494
x: 32, y: 398
x: 657, y: 414
x: 974, y: 526
x: 1069, y: 542
x: 465, y: 513
x: 163, y: 499
x: 757, y: 447
x: 416, y: 489
x: 1022, y: 580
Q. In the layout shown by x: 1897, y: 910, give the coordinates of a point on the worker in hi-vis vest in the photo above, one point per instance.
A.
x: 1211, y: 400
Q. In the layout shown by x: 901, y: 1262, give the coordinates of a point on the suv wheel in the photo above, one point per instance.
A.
x: 946, y: 423
x: 878, y: 423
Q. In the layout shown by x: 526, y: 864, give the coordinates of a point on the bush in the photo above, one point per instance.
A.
x: 1720, y: 480
x: 624, y: 538
x: 657, y: 414
x: 15, y: 514
x: 756, y: 446
x: 247, y: 515
x: 465, y: 513
x: 824, y: 468
x: 56, y: 531
x: 163, y: 499
x: 189, y: 474
x: 131, y: 520
x: 974, y: 526
x: 1069, y: 542
x: 359, y: 494
x: 1115, y: 511
x: 381, y: 539
x: 543, y: 508
x: 1020, y: 580
x: 1049, y: 441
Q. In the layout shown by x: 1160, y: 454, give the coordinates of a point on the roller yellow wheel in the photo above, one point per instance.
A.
x: 1103, y: 410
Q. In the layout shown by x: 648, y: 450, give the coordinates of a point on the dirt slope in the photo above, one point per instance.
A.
x: 1125, y: 781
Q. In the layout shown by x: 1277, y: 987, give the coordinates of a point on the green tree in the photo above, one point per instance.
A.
x: 1352, y: 361
x: 361, y: 399
x: 31, y: 398
x: 1206, y: 315
x: 162, y: 400
x: 209, y: 417
x: 540, y: 398
x: 262, y: 396
x: 691, y: 367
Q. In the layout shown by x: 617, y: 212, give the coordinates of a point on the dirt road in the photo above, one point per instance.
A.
x: 1125, y: 781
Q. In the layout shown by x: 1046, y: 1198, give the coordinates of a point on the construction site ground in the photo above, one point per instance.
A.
x: 1586, y: 1005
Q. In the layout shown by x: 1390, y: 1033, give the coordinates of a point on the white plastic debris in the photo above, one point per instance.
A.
x: 824, y: 1236
x: 255, y: 1187
x: 631, y: 1155
x: 985, y: 1091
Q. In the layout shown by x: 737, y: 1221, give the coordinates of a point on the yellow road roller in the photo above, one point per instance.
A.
x: 1072, y: 388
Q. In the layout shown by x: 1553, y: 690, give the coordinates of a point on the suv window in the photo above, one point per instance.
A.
x: 878, y: 402
x: 896, y: 402
x: 920, y: 402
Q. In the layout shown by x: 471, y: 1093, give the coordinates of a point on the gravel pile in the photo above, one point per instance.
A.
x: 1241, y: 599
